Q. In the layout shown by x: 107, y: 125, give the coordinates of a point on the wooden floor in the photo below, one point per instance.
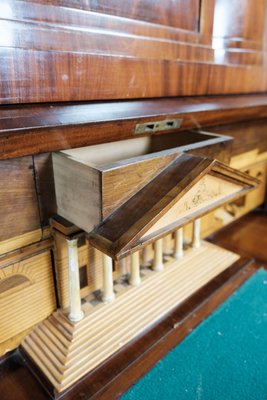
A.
x: 119, y: 372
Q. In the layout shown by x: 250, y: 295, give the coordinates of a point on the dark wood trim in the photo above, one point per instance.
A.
x: 33, y: 129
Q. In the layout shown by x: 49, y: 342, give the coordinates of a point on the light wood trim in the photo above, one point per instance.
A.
x: 20, y: 241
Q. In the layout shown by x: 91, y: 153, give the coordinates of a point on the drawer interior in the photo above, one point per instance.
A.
x: 134, y: 150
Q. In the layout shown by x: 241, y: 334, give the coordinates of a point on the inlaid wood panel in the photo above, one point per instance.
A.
x: 26, y: 294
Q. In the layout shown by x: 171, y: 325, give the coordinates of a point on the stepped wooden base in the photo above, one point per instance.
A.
x: 66, y: 351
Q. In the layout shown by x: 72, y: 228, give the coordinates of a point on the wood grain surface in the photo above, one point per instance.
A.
x: 56, y: 51
x: 31, y: 129
x: 19, y: 211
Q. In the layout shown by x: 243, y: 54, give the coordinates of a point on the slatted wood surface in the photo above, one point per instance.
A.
x: 31, y: 297
x: 65, y: 351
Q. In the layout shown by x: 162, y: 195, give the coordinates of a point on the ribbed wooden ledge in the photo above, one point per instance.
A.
x: 65, y: 352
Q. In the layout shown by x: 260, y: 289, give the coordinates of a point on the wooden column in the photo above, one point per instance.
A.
x: 196, y: 234
x: 158, y: 256
x: 144, y: 257
x: 167, y: 244
x: 135, y: 278
x: 76, y: 313
x: 108, y: 293
x: 178, y: 243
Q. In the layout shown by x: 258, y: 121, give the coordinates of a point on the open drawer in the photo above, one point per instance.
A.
x: 134, y: 190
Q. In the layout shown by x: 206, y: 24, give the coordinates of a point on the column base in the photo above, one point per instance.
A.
x: 178, y: 255
x: 108, y: 298
x: 158, y: 268
x: 135, y: 282
x: 76, y: 318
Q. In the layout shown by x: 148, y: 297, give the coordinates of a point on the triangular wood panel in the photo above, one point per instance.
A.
x: 187, y: 177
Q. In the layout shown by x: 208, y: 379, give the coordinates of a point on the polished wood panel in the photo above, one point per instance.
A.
x: 247, y: 235
x: 50, y: 50
x: 35, y: 129
x: 19, y: 212
x: 175, y: 13
x: 248, y: 136
x: 239, y: 29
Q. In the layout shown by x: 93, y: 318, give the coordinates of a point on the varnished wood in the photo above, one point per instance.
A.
x: 123, y: 230
x: 248, y: 235
x: 19, y: 213
x: 33, y: 129
x: 152, y: 44
x: 96, y: 180
x: 45, y: 186
x: 241, y: 37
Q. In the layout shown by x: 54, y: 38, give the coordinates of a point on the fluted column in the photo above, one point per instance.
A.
x: 158, y: 256
x: 196, y: 234
x: 108, y: 292
x: 135, y: 278
x: 76, y: 313
x: 178, y: 243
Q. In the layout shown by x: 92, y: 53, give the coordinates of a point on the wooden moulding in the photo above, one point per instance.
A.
x: 92, y: 182
x: 27, y: 130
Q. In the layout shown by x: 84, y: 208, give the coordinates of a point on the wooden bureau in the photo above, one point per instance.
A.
x: 122, y: 124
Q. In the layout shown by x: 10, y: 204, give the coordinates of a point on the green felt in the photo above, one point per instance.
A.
x: 224, y: 358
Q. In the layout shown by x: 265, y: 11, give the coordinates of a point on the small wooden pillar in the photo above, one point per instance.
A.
x: 108, y: 292
x: 144, y: 257
x: 158, y: 256
x: 178, y: 243
x: 168, y: 244
x: 76, y: 313
x: 135, y: 278
x: 196, y: 234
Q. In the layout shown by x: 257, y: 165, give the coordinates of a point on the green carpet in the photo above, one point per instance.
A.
x: 224, y: 358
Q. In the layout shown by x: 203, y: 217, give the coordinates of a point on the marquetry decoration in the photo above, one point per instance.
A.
x: 190, y: 187
x: 27, y: 295
x: 66, y: 351
x: 136, y: 226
